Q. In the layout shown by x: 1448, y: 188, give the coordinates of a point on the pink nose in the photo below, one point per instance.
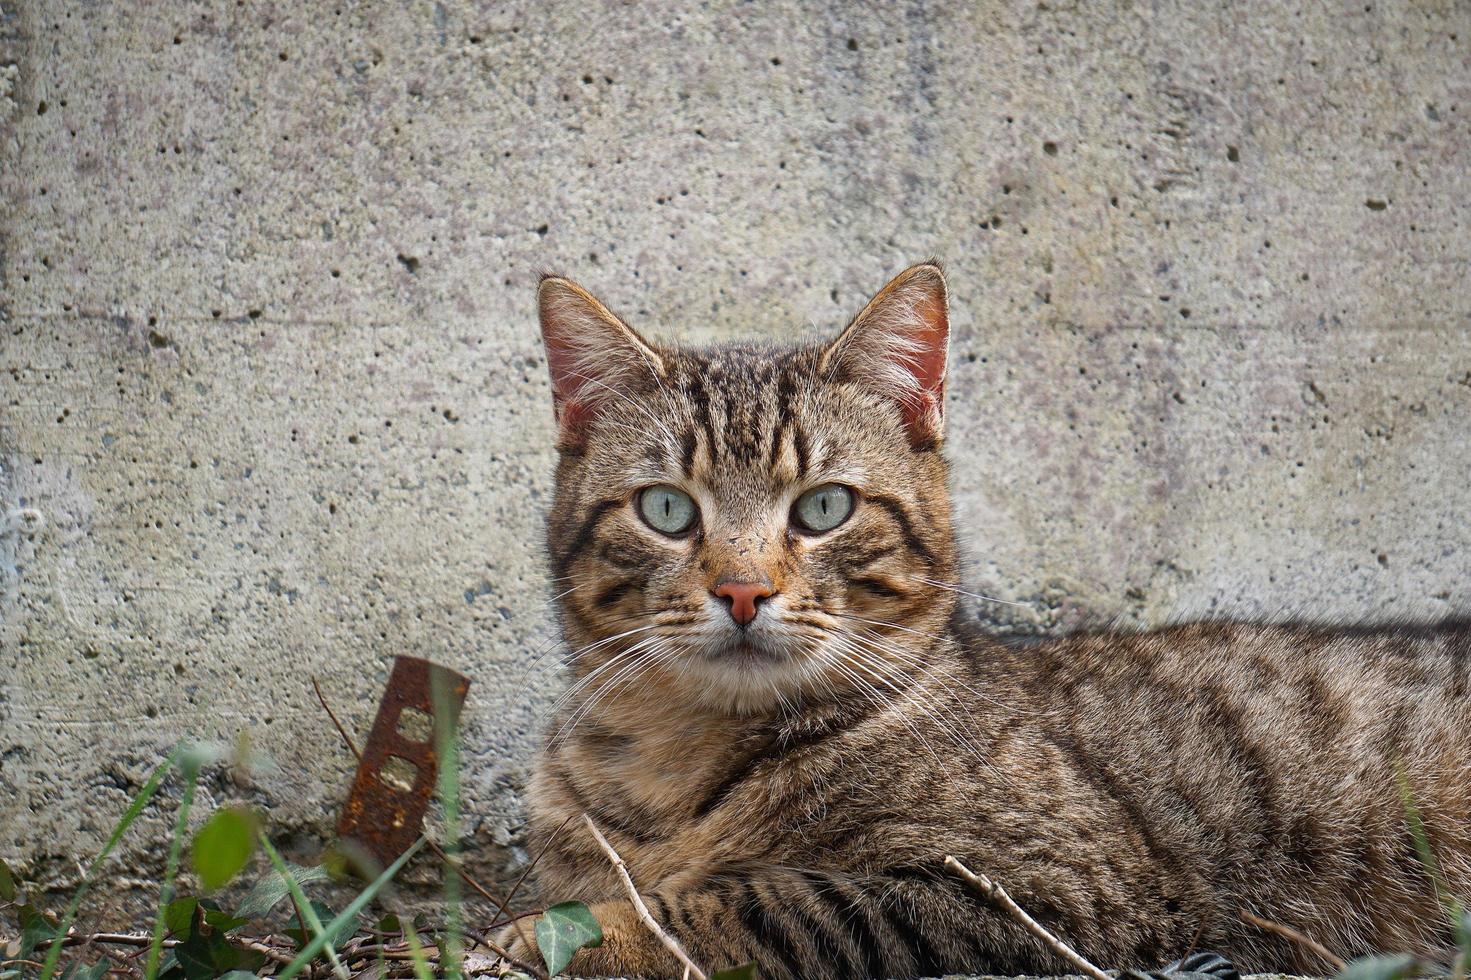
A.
x: 744, y: 598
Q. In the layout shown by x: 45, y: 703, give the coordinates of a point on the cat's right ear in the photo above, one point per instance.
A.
x: 594, y: 358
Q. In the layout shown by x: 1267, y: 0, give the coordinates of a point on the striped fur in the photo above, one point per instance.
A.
x: 787, y: 794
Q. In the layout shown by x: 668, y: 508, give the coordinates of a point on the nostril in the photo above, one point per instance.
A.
x: 743, y: 598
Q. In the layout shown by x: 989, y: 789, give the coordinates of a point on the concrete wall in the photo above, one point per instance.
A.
x: 269, y: 373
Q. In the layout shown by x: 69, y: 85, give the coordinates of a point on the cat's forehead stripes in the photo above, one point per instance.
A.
x: 743, y: 406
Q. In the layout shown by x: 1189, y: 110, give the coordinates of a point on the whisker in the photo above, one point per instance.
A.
x: 959, y: 591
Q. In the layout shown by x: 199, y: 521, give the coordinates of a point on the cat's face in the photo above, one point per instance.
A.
x: 745, y: 527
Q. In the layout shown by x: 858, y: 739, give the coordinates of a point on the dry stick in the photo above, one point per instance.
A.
x: 1287, y: 932
x: 993, y: 890
x: 532, y: 866
x: 127, y: 939
x: 669, y: 941
x: 493, y: 947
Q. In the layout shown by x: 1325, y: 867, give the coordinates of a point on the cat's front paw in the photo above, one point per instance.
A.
x: 1196, y: 966
x: 519, y: 940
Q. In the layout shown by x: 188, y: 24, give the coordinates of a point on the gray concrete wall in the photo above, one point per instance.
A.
x: 270, y: 378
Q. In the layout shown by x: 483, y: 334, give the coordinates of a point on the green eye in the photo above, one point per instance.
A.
x: 823, y: 508
x: 666, y: 509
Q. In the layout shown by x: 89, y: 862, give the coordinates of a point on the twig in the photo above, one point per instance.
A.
x: 128, y: 939
x: 530, y: 867
x: 500, y: 905
x: 643, y: 910
x: 993, y: 891
x: 1287, y: 932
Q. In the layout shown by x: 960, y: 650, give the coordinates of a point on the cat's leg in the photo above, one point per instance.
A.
x: 810, y: 926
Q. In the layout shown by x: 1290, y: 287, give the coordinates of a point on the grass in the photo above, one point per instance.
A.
x: 206, y: 942
x: 192, y: 938
x: 53, y: 954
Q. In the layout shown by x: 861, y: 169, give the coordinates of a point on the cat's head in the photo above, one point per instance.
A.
x: 746, y: 526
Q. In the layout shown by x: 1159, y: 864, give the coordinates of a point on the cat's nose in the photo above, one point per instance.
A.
x: 744, y: 598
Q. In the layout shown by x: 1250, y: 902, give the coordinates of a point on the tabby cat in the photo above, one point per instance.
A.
x: 779, y: 720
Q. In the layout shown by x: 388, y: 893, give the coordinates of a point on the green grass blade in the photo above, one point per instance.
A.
x: 447, y: 748
x: 310, y: 951
x: 1416, y: 825
x: 304, y: 910
x: 166, y: 891
x: 422, y: 969
x: 48, y: 969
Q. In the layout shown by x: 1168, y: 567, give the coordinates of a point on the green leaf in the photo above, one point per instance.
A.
x: 269, y: 891
x: 178, y: 917
x: 216, y: 919
x: 168, y: 964
x: 34, y: 927
x: 223, y: 846
x: 238, y: 975
x: 1390, y: 967
x: 348, y: 914
x: 205, y: 957
x: 564, y: 929
x: 94, y: 972
x: 746, y: 971
x: 7, y: 883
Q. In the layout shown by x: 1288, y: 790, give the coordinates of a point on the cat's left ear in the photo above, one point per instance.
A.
x: 594, y: 358
x: 896, y: 345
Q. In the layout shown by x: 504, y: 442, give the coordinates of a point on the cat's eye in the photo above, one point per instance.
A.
x: 823, y: 508
x: 666, y: 509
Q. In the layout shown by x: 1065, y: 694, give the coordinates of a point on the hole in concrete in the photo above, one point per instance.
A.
x: 1233, y: 154
x: 409, y: 262
x: 398, y: 773
x: 415, y: 725
x: 1049, y: 148
x: 852, y: 44
x: 1374, y: 204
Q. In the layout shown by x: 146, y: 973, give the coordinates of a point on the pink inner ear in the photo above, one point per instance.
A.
x: 561, y: 359
x: 923, y: 414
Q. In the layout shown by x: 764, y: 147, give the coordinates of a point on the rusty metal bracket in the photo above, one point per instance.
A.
x: 390, y: 794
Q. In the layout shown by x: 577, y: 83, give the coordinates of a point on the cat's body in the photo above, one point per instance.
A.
x: 785, y: 789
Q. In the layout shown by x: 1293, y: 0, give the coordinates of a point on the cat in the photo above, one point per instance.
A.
x: 781, y: 722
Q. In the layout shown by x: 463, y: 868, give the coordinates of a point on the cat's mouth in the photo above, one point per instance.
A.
x: 745, y: 649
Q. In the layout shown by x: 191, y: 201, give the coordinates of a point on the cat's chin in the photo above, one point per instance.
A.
x: 748, y: 676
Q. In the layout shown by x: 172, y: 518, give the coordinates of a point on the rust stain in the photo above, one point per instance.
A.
x: 385, y: 811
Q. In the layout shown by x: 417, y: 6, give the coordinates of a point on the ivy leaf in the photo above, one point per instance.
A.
x: 1396, y: 966
x: 217, y: 918
x: 302, y: 933
x: 7, y: 883
x: 34, y: 927
x: 178, y: 918
x: 223, y: 846
x: 746, y: 971
x: 272, y: 888
x: 94, y: 972
x: 204, y: 957
x: 564, y: 929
